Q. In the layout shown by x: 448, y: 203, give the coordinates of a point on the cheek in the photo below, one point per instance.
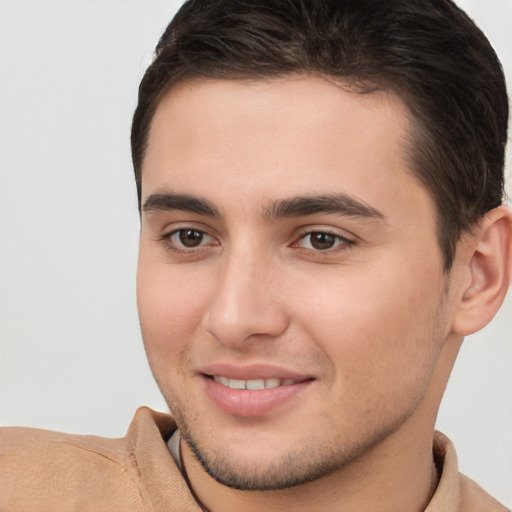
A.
x: 379, y: 330
x: 170, y: 309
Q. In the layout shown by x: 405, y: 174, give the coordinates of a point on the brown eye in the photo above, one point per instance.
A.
x: 321, y: 241
x: 187, y: 240
x: 190, y: 237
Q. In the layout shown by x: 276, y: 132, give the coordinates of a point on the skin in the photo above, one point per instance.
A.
x: 372, y: 321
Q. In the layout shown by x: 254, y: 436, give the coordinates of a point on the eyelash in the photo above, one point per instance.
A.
x: 341, y: 242
x: 166, y: 240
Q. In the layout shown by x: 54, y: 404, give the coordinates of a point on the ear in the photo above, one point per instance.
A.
x: 487, y: 258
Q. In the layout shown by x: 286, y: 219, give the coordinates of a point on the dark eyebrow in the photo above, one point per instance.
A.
x: 339, y: 204
x: 183, y: 202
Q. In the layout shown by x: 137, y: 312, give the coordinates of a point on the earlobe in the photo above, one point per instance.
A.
x: 488, y: 264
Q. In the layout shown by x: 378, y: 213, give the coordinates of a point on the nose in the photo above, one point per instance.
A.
x: 246, y: 302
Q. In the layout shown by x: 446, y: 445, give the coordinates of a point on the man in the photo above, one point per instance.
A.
x: 320, y: 186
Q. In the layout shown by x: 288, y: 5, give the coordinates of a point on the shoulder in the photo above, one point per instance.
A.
x: 29, y: 448
x: 37, y: 445
x: 38, y: 466
x: 60, y: 471
x: 455, y: 491
x: 475, y: 499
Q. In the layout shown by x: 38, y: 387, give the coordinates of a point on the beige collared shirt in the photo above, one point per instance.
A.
x: 49, y: 471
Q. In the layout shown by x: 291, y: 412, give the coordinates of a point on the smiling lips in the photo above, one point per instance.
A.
x: 252, y: 397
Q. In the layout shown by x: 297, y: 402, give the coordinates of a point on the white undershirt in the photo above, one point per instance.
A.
x: 174, y: 447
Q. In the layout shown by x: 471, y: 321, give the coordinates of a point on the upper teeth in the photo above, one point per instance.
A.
x: 253, y: 383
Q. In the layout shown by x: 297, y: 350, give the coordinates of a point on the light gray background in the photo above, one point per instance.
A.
x: 71, y: 356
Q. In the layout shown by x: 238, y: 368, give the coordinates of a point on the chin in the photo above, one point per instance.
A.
x: 257, y: 472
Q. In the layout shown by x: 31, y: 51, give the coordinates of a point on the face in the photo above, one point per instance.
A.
x: 290, y: 283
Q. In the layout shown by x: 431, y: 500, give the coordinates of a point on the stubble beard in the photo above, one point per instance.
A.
x: 315, y: 459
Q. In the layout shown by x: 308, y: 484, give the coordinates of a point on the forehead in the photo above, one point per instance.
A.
x: 293, y: 135
x: 310, y: 103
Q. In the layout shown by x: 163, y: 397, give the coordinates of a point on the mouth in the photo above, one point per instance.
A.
x: 253, y: 397
x: 253, y: 384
